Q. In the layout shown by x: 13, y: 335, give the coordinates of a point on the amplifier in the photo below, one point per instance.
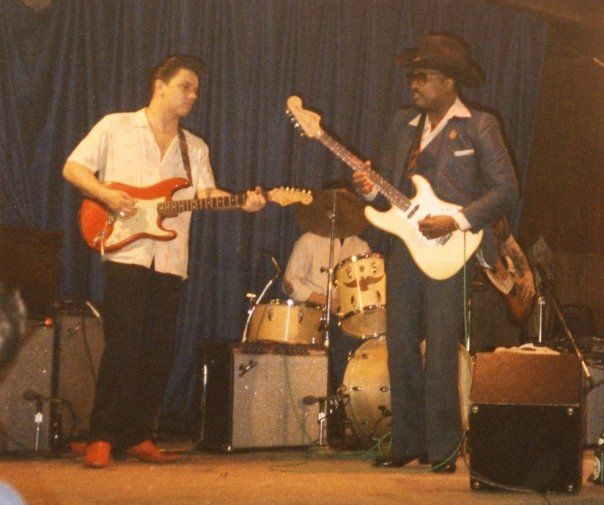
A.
x: 80, y: 345
x: 30, y: 370
x: 526, y: 422
x: 251, y: 397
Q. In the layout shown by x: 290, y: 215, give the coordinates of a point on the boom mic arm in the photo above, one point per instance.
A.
x: 275, y: 263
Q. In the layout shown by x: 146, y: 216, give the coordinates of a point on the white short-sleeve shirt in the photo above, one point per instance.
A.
x: 310, y: 256
x: 122, y: 148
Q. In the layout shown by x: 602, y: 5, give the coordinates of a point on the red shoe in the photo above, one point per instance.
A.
x: 78, y: 448
x: 97, y: 454
x: 148, y: 452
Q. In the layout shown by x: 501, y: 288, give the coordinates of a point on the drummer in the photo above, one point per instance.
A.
x: 305, y: 278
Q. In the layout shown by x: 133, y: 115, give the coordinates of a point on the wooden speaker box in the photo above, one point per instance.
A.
x: 526, y: 422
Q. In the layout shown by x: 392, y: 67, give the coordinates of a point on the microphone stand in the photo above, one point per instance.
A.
x: 38, y: 421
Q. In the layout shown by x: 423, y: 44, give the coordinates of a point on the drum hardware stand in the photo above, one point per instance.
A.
x: 547, y: 289
x: 329, y: 270
x: 255, y: 301
x: 323, y: 422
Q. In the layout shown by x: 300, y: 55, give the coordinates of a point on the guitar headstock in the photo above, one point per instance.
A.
x: 305, y: 121
x: 287, y: 196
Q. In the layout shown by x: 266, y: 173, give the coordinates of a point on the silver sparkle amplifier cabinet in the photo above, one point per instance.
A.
x: 30, y: 371
x: 251, y: 396
x: 64, y: 370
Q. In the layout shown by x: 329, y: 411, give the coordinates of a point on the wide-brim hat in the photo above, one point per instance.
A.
x: 446, y: 53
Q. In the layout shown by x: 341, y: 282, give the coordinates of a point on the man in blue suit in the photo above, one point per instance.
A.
x: 460, y: 151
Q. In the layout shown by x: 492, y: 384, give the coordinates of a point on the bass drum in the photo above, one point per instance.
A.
x: 286, y: 322
x: 367, y: 384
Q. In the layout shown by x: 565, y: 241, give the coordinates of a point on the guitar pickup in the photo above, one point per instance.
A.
x: 412, y: 211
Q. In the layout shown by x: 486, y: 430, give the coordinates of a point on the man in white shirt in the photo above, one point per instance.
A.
x: 460, y: 151
x: 143, y: 279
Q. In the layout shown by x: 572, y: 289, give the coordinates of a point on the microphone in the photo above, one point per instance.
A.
x: 275, y: 263
x: 288, y: 287
x: 33, y: 396
x: 311, y: 400
x: 93, y: 309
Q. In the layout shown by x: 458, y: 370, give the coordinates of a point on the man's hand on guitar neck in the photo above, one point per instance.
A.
x: 255, y: 200
x: 361, y: 182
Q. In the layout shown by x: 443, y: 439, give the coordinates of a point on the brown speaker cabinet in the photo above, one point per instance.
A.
x: 526, y: 417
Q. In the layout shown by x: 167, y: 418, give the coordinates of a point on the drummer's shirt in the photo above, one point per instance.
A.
x: 307, y: 267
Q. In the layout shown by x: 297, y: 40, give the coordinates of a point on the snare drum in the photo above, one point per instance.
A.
x: 286, y: 322
x: 361, y: 282
x: 367, y: 384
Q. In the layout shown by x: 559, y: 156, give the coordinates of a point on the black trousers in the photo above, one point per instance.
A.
x: 425, y: 401
x: 139, y: 316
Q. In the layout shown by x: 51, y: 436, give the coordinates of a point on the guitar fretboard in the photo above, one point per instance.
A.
x: 394, y: 196
x: 173, y: 207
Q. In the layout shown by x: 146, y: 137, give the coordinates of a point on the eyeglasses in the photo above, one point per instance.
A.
x: 422, y: 76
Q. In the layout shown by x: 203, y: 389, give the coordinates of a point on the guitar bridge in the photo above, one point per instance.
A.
x: 444, y: 239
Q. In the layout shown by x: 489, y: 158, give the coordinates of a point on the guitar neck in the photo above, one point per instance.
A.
x: 226, y: 202
x: 394, y: 196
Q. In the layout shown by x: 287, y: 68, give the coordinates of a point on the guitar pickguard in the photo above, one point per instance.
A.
x: 145, y: 223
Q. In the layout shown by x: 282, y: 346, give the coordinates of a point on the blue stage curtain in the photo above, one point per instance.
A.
x: 65, y: 67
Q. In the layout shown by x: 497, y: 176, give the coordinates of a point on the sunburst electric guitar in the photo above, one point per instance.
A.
x: 106, y: 231
x: 438, y: 258
x: 504, y: 276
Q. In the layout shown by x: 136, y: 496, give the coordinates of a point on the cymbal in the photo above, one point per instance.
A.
x: 349, y: 219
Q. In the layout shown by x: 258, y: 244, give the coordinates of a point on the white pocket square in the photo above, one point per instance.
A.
x: 465, y: 152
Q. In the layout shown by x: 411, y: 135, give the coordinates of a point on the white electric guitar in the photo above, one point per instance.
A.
x: 439, y: 258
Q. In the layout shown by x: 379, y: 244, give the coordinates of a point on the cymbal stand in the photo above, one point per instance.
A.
x: 550, y: 295
x: 332, y: 238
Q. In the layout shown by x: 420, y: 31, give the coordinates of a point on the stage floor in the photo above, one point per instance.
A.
x: 287, y: 477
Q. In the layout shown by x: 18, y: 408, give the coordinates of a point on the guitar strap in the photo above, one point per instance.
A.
x: 184, y: 152
x: 410, y: 167
x: 416, y: 146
